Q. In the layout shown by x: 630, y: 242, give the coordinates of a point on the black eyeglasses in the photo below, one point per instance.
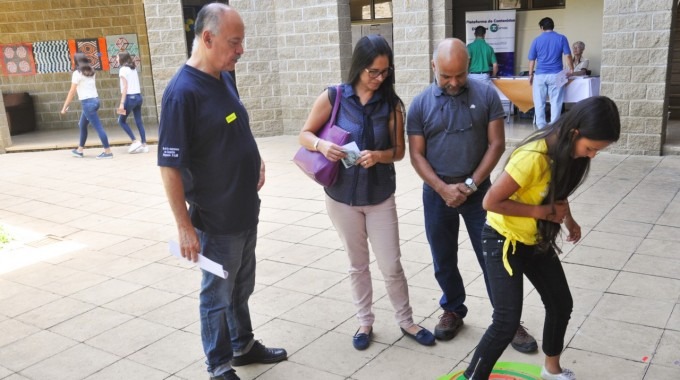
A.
x: 373, y: 73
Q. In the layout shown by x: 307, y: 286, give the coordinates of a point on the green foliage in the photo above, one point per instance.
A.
x: 4, y: 237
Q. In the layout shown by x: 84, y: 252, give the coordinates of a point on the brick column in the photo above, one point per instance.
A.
x: 5, y: 138
x: 635, y: 43
x: 419, y: 25
x: 293, y: 51
x: 167, y: 43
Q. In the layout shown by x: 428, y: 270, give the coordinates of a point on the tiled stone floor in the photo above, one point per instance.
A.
x: 88, y: 289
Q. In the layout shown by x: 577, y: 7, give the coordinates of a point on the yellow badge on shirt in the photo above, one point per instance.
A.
x: 231, y: 117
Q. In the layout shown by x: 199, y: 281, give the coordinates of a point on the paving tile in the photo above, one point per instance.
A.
x: 423, y: 301
x: 129, y: 337
x: 639, y: 311
x: 418, y: 252
x: 655, y: 372
x: 128, y: 370
x: 25, y: 301
x: 607, y: 240
x: 273, y: 301
x: 393, y: 363
x: 185, y: 282
x: 150, y: 274
x: 332, y: 353
x: 4, y: 372
x: 336, y: 261
x: 171, y: 353
x: 270, y: 272
x: 118, y: 266
x: 311, y: 281
x: 674, y: 320
x: 293, y: 234
x: 106, y: 292
x: 12, y: 330
x: 614, y: 338
x: 11, y: 288
x: 655, y: 266
x: 293, y: 336
x: 660, y: 248
x: 316, y: 221
x: 177, y: 314
x: 324, y: 239
x: 141, y: 301
x: 646, y: 286
x: 267, y: 247
x: 290, y: 370
x: 661, y: 232
x: 590, y: 365
x: 129, y: 246
x: 667, y: 353
x: 55, y: 312
x: 76, y: 362
x: 73, y: 283
x: 90, y: 324
x: 597, y: 257
x: 320, y: 312
x: 33, y: 349
x: 299, y: 254
x: 588, y: 277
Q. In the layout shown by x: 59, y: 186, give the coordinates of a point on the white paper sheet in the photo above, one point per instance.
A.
x: 353, y: 154
x: 203, y: 262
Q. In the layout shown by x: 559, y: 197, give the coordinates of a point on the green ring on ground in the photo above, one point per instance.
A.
x: 505, y: 371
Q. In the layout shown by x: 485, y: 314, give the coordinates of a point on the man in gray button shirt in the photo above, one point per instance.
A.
x: 456, y: 137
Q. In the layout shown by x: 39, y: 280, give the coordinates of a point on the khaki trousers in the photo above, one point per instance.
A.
x: 377, y: 224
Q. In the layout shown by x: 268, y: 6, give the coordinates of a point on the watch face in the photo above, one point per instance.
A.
x: 468, y: 181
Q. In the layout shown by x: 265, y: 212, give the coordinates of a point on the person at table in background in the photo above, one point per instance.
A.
x: 130, y: 101
x: 83, y: 83
x: 545, y: 68
x: 456, y: 137
x: 483, y: 64
x: 361, y: 202
x: 527, y: 205
x: 209, y: 160
x: 580, y: 62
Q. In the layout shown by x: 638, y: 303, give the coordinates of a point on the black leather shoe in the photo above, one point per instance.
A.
x: 260, y: 354
x: 229, y: 375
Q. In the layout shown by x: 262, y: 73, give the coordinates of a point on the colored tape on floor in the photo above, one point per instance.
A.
x: 505, y: 371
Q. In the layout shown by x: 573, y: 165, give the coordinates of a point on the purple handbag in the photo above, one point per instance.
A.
x: 315, y: 164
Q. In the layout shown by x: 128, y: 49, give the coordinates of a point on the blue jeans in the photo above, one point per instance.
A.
x: 226, y: 329
x: 544, y: 85
x: 441, y: 227
x: 133, y: 103
x: 545, y: 272
x: 89, y: 115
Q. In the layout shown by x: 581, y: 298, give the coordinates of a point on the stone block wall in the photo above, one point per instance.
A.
x: 635, y: 61
x: 294, y: 49
x: 32, y: 21
x: 5, y: 138
x: 167, y: 42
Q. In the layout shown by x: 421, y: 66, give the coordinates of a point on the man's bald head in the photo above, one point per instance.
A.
x: 450, y: 65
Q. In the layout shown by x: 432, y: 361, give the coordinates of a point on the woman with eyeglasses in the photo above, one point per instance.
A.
x: 527, y: 206
x: 361, y: 202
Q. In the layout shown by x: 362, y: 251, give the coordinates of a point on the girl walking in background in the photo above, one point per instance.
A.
x: 83, y: 82
x: 527, y: 206
x: 130, y: 101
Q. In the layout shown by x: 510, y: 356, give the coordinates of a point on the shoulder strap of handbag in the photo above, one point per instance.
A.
x: 336, y: 105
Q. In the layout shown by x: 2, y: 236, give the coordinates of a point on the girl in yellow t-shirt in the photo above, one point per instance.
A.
x: 526, y: 207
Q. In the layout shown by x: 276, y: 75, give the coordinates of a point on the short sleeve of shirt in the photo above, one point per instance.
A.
x: 174, y: 134
x: 76, y: 77
x: 529, y: 166
x: 532, y: 51
x: 414, y: 118
x: 124, y: 72
x: 566, y: 50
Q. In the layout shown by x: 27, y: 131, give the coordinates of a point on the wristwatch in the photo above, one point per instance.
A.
x: 470, y: 183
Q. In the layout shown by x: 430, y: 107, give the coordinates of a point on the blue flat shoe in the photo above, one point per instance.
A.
x: 362, y: 340
x: 424, y: 336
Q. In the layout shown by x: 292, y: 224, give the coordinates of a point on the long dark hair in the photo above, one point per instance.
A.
x: 367, y: 49
x: 83, y: 64
x: 125, y: 59
x: 595, y: 118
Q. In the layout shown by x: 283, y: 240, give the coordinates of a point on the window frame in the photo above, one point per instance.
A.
x: 528, y: 5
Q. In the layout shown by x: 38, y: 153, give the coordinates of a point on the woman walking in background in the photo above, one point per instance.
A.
x: 361, y: 202
x: 130, y: 101
x: 527, y: 206
x: 83, y: 82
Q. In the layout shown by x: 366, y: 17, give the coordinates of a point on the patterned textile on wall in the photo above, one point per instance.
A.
x: 123, y: 42
x: 52, y: 56
x: 94, y: 49
x: 17, y: 59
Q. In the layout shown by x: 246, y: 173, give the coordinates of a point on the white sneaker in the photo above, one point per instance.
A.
x: 134, y: 146
x: 566, y: 374
x: 143, y: 149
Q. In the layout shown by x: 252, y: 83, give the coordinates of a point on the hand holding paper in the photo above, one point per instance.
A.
x: 203, y: 262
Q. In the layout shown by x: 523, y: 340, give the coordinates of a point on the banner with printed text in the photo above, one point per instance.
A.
x: 500, y: 35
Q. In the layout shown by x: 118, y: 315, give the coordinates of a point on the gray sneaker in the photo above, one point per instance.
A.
x: 523, y: 342
x: 104, y: 156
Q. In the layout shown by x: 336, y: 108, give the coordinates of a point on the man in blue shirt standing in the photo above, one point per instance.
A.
x: 547, y: 50
x: 210, y: 160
